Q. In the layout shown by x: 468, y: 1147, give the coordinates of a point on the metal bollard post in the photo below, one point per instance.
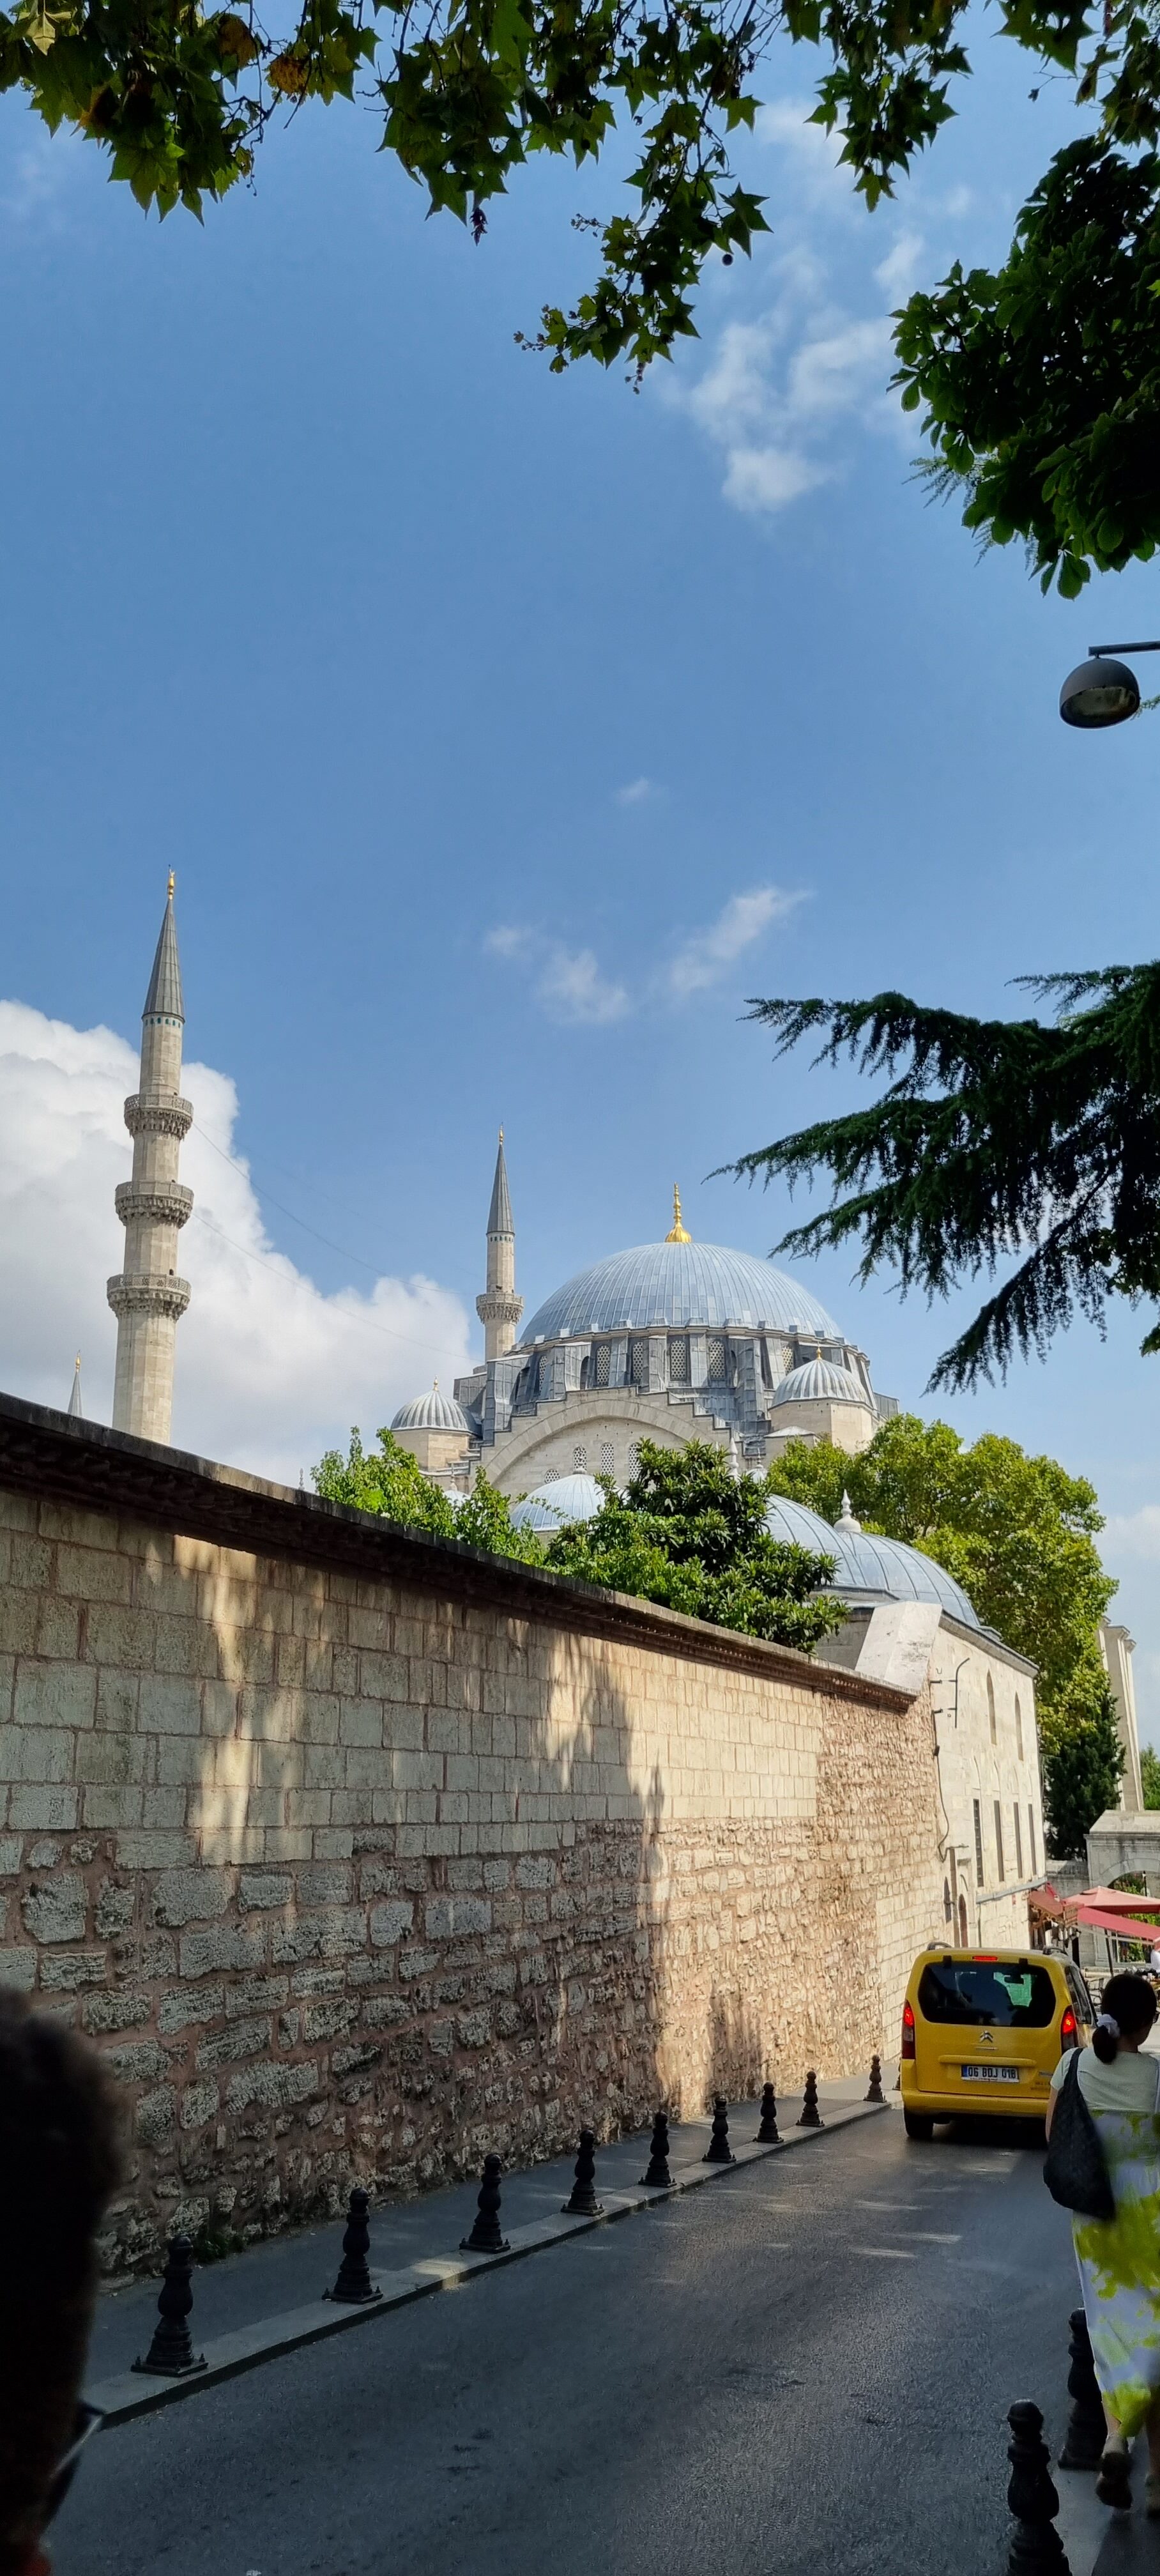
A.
x: 171, y: 2354
x: 1087, y: 2430
x: 658, y: 2177
x: 768, y: 2134
x: 354, y: 2287
x: 809, y: 2116
x: 719, y: 2151
x: 583, y: 2202
x: 487, y: 2236
x: 876, y: 2093
x: 1035, y: 2548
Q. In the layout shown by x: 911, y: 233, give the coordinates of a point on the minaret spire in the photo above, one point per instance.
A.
x: 147, y: 1297
x: 76, y: 1408
x: 499, y: 1309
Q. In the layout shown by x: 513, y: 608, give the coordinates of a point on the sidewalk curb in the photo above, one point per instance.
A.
x: 122, y: 2399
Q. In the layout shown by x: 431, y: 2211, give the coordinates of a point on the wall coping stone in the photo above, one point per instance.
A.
x: 56, y: 1458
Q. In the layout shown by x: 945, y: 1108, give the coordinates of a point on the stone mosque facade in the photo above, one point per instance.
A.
x: 670, y: 1342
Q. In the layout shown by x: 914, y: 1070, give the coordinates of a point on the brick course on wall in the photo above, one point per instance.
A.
x: 357, y: 1855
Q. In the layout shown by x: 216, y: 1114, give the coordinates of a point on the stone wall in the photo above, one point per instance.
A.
x: 357, y: 1854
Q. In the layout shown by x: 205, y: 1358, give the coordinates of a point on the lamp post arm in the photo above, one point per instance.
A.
x: 1097, y: 652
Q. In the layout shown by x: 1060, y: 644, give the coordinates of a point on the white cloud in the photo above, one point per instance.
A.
x: 815, y: 156
x: 704, y: 958
x: 38, y: 175
x: 776, y: 388
x: 769, y: 478
x: 639, y: 791
x: 1134, y: 1534
x: 507, y: 940
x: 896, y: 273
x: 571, y: 987
x: 269, y: 1370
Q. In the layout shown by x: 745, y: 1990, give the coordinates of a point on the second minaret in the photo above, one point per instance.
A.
x: 147, y: 1297
x: 499, y: 1309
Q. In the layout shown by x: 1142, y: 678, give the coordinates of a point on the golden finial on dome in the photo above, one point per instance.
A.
x: 676, y: 1233
x: 501, y: 1135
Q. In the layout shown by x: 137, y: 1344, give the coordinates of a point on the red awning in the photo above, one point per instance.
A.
x: 1128, y: 1927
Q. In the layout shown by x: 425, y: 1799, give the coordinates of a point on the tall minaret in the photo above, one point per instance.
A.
x: 499, y: 1309
x: 147, y: 1297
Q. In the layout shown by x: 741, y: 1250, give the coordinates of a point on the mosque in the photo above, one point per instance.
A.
x: 670, y: 1342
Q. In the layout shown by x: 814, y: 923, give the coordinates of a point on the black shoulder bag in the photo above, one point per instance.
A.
x: 1075, y: 2168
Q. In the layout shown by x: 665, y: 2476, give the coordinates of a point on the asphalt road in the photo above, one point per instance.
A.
x: 804, y: 2368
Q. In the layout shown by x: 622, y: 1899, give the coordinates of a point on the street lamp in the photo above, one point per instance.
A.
x: 1102, y: 691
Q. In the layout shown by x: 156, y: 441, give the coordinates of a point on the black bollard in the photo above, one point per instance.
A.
x: 810, y: 2117
x: 487, y: 2236
x: 719, y: 2151
x: 658, y: 2177
x: 876, y: 2093
x: 1087, y: 2431
x: 768, y: 2135
x: 354, y: 2287
x: 1036, y: 2548
x: 584, y: 2203
x: 171, y: 2354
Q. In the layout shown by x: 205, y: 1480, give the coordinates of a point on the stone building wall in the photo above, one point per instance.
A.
x: 358, y: 1854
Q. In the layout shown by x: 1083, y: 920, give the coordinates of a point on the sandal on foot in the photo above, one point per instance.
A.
x: 1114, y: 2483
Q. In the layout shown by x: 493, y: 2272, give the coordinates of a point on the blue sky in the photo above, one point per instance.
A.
x: 505, y: 732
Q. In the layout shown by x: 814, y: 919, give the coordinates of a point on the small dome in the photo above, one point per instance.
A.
x: 821, y: 1381
x: 555, y: 1505
x: 796, y: 1526
x: 676, y: 1284
x: 431, y: 1412
x: 889, y: 1567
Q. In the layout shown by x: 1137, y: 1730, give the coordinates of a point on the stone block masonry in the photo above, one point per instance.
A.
x: 357, y: 1854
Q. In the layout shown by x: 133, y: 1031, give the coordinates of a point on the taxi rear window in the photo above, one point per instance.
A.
x: 1004, y: 1995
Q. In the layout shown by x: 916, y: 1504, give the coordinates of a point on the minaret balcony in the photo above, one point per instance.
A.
x: 499, y: 1306
x: 158, y: 1113
x: 149, y: 1293
x: 170, y: 1204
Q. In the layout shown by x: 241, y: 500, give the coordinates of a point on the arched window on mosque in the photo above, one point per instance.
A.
x: 991, y: 1713
x: 606, y: 1457
x: 678, y: 1359
x: 579, y: 1461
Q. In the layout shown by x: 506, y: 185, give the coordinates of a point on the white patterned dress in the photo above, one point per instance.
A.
x: 1119, y: 2258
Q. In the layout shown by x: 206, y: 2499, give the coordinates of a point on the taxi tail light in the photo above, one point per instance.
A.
x: 908, y: 2030
x: 1068, y: 2031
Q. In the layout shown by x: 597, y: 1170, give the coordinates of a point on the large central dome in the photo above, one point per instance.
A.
x: 678, y: 1284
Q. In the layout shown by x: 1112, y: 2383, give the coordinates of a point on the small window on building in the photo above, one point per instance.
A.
x: 678, y: 1359
x: 999, y: 1840
x: 1018, y: 1728
x: 716, y: 1356
x: 553, y: 1475
x: 579, y: 1461
x: 1031, y: 1841
x: 979, y: 1879
x: 1018, y: 1843
x: 633, y: 1458
x: 603, y: 1362
x: 991, y: 1716
x: 638, y: 1360
x: 606, y: 1458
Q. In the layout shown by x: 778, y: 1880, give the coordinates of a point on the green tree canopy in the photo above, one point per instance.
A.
x: 690, y: 1534
x: 1150, y: 1775
x: 1041, y: 381
x: 389, y: 1480
x: 1019, y: 1534
x: 994, y: 1140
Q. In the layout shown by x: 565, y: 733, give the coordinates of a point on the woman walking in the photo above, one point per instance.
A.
x: 1119, y: 2258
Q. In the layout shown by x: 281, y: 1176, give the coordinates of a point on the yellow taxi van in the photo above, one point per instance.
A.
x: 984, y: 2030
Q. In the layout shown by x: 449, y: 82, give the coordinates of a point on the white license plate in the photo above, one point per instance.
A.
x: 990, y: 2074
